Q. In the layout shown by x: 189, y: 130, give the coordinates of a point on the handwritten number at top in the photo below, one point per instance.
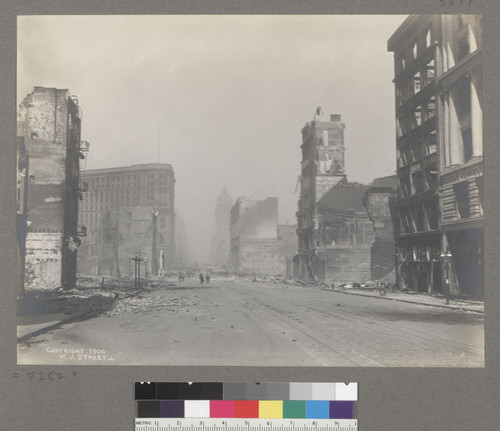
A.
x: 455, y: 3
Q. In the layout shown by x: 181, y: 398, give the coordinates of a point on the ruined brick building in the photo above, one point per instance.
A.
x: 128, y: 209
x: 220, y: 247
x: 49, y: 187
x: 288, y: 246
x: 439, y: 210
x: 254, y: 244
x: 336, y: 219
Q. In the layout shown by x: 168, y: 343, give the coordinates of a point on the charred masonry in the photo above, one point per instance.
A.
x: 49, y: 152
x: 438, y: 213
x: 338, y: 221
x: 258, y: 244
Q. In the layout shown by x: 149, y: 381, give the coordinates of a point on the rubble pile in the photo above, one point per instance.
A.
x: 36, y: 303
x: 150, y: 304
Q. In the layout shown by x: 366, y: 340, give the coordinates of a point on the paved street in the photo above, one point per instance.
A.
x: 245, y: 323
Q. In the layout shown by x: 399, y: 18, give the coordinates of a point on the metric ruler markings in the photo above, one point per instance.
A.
x: 167, y: 424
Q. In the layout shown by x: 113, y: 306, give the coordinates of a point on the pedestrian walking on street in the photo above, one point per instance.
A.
x: 202, y: 278
x: 207, y: 277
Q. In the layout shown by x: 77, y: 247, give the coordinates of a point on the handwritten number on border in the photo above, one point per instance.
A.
x: 455, y: 3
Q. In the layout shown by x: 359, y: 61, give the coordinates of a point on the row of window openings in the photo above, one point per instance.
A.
x: 414, y: 50
x: 416, y: 151
x: 122, y: 198
x: 419, y: 253
x: 120, y: 179
x: 421, y: 218
x: 415, y: 118
x: 419, y: 182
x: 461, y: 98
x: 419, y: 81
x: 94, y: 220
x: 466, y: 43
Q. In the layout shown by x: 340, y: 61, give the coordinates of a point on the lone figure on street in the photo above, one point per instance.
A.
x: 207, y: 277
x: 202, y: 278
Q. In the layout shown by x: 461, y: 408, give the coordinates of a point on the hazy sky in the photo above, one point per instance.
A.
x: 229, y: 94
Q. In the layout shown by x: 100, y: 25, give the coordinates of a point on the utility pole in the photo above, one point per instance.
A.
x: 154, y: 260
x: 115, y: 247
x: 137, y: 270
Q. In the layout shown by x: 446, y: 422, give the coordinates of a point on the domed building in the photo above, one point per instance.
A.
x: 221, y: 239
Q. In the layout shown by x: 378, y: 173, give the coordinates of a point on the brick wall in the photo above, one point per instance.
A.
x: 347, y: 264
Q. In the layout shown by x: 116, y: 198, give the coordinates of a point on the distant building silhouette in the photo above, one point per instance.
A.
x: 221, y: 239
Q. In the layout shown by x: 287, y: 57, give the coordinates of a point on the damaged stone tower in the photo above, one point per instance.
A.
x: 322, y: 168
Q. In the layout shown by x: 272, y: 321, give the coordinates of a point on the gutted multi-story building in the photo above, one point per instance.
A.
x: 220, y: 247
x: 114, y: 208
x: 254, y: 236
x: 49, y: 187
x: 439, y: 213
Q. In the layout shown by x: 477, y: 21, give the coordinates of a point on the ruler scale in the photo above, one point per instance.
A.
x: 249, y: 424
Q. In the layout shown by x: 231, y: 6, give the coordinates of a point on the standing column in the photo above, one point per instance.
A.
x: 455, y: 136
x: 445, y: 123
x: 476, y: 115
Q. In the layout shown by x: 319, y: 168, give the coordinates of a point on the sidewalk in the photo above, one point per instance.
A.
x: 474, y: 306
x: 27, y: 328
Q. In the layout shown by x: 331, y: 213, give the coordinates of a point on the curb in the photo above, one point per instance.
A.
x: 409, y: 302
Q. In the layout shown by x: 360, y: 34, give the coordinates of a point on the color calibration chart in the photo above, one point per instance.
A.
x: 212, y: 406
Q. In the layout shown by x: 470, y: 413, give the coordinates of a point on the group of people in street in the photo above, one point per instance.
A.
x: 204, y: 278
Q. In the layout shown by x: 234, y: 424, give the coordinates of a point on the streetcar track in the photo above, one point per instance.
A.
x: 380, y: 325
x: 406, y: 330
x: 399, y: 328
x: 328, y: 345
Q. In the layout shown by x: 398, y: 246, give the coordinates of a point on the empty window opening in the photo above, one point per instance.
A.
x: 461, y: 191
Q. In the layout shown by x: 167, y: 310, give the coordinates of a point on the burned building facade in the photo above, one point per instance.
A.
x: 128, y: 209
x: 49, y: 187
x: 254, y: 236
x: 377, y: 201
x: 439, y: 210
x: 338, y: 220
x: 220, y: 247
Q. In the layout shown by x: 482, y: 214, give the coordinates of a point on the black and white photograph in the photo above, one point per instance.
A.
x: 250, y: 190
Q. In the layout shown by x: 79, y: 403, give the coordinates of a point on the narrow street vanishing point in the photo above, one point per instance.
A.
x: 237, y: 322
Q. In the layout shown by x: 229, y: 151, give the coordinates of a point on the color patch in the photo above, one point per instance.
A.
x: 246, y: 409
x: 271, y: 409
x: 172, y: 409
x: 294, y: 409
x: 323, y: 391
x: 317, y: 409
x: 145, y: 391
x: 278, y: 391
x: 345, y: 392
x: 341, y: 409
x: 234, y: 391
x: 148, y: 409
x: 300, y: 391
x: 256, y: 391
x: 221, y: 409
x: 197, y: 409
x: 186, y: 391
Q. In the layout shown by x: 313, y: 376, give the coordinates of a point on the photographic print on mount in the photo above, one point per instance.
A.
x: 250, y: 190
